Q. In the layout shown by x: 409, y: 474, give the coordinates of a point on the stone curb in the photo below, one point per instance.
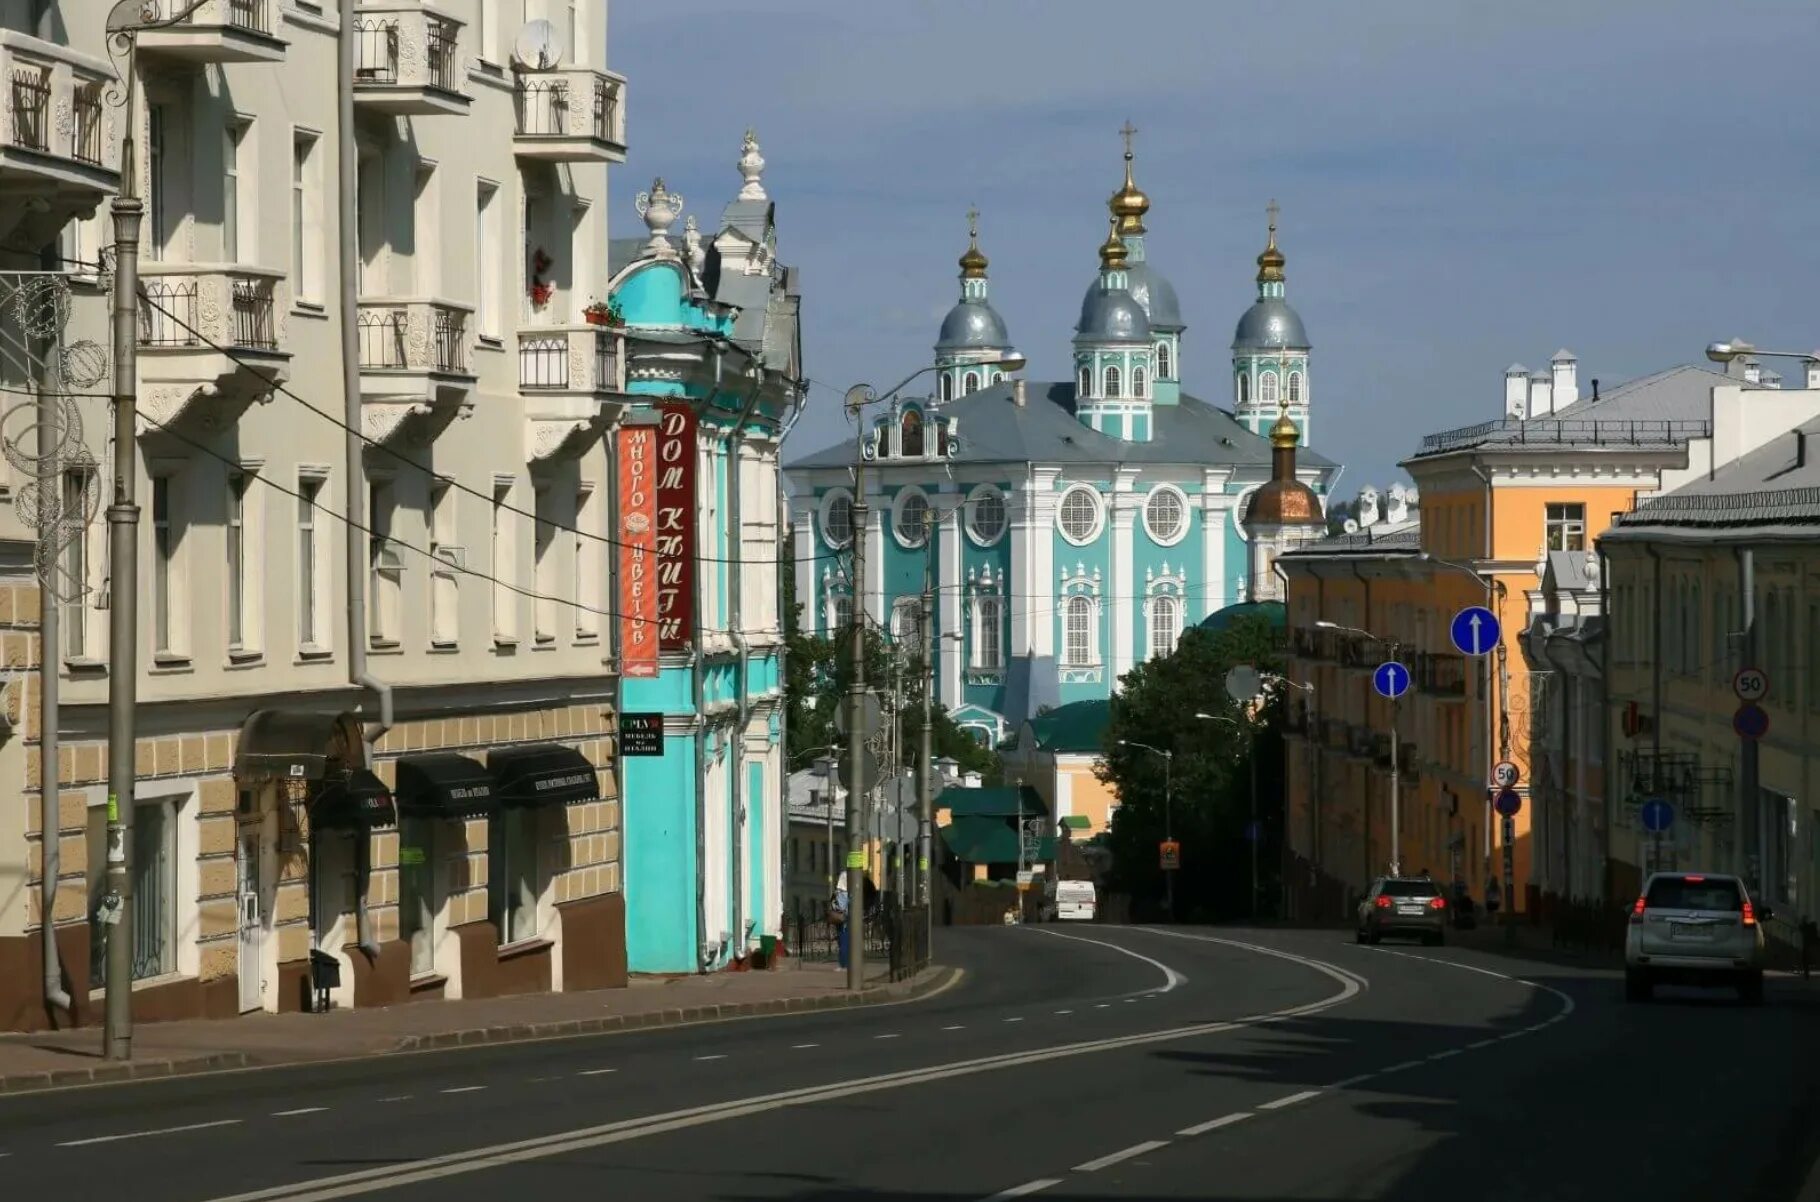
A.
x: 108, y: 1073
x: 675, y: 1016
x: 138, y: 1070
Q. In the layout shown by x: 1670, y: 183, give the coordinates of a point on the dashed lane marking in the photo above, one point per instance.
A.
x: 1026, y: 1189
x: 891, y: 1035
x: 401, y: 1097
x: 1016, y: 1018
x: 1402, y: 1066
x: 1225, y: 1120
x: 1112, y: 1158
x: 797, y: 1047
x: 596, y: 1072
x: 1349, y: 1082
x: 285, y: 1114
x: 1291, y: 1100
x: 108, y: 1139
x: 1064, y: 1012
x: 1445, y: 1054
x: 956, y: 1027
x: 716, y: 1056
x: 464, y: 1089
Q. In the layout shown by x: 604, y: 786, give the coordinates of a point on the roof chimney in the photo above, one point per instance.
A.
x: 1541, y: 400
x: 1753, y: 371
x: 1516, y: 391
x: 1019, y: 395
x: 1566, y: 378
x: 1813, y: 371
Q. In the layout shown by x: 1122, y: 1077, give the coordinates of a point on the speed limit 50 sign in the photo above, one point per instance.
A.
x: 1751, y: 684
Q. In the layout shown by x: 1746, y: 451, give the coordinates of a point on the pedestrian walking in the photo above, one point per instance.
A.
x: 838, y: 909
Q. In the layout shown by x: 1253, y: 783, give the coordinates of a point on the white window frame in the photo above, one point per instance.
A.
x: 1084, y: 386
x: 1571, y: 525
x: 170, y: 583
x: 1244, y: 388
x: 251, y: 586
x: 1099, y: 514
x: 239, y: 192
x: 1296, y: 395
x: 905, y: 419
x: 1267, y: 388
x: 906, y: 617
x: 836, y: 622
x: 970, y: 383
x: 1083, y: 603
x: 988, y: 642
x: 385, y: 565
x: 1161, y: 538
x: 987, y: 492
x: 503, y: 561
x: 307, y: 236
x: 825, y: 510
x: 85, y: 630
x: 586, y: 563
x: 1156, y: 631
x: 178, y: 806
x: 426, y: 227
x: 947, y: 386
x: 418, y: 832
x: 1165, y: 359
x: 445, y: 563
x: 544, y: 572
x: 1139, y: 384
x: 513, y: 835
x: 487, y: 250
x: 1114, y: 383
x: 899, y: 503
x: 313, y: 639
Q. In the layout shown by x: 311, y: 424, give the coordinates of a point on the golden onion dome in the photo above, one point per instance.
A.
x: 1284, y: 435
x: 1270, y: 262
x: 1112, y: 250
x: 1129, y: 204
x: 973, y: 260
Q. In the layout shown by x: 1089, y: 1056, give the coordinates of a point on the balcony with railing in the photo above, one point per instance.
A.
x: 211, y: 340
x: 59, y: 154
x: 1439, y: 674
x: 215, y: 31
x: 569, y: 377
x: 407, y: 61
x: 571, y: 116
x: 414, y: 361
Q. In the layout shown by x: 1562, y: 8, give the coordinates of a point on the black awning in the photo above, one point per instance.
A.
x: 444, y: 785
x: 357, y: 801
x: 539, y: 774
x: 292, y: 744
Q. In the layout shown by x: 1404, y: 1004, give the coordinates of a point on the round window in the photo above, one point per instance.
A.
x: 1165, y: 515
x: 837, y: 519
x: 986, y: 516
x: 912, y: 519
x: 1080, y: 514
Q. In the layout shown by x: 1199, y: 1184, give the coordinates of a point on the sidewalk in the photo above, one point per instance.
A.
x: 61, y: 1058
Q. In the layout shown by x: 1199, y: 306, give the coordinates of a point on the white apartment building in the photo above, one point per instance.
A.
x: 480, y: 854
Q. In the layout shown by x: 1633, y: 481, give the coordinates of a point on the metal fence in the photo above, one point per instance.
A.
x: 896, y: 936
x: 451, y: 341
x: 376, y: 52
x: 440, y: 52
x: 168, y: 318
x: 380, y: 337
x: 253, y: 324
x: 85, y: 140
x: 1569, y: 432
x: 255, y: 15
x: 31, y: 105
x: 543, y: 362
x: 543, y: 107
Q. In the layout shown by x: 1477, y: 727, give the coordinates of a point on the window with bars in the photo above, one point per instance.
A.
x: 154, y: 871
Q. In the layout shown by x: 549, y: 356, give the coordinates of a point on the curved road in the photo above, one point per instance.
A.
x: 1070, y: 1062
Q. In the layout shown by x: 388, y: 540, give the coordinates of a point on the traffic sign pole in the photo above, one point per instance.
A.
x: 1391, y: 680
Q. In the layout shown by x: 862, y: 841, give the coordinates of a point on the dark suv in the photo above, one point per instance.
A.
x: 1396, y: 905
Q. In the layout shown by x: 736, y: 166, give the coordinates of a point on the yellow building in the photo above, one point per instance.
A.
x: 1495, y: 498
x: 1056, y: 754
x: 1720, y: 575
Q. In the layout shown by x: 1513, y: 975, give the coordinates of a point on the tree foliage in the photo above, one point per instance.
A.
x: 1208, y: 780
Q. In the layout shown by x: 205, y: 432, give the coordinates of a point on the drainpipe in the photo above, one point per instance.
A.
x: 1607, y: 791
x: 347, y: 168
x: 699, y: 690
x: 1752, y: 846
x: 50, y: 824
x: 1655, y: 668
x: 735, y: 612
x: 1482, y: 672
x: 1370, y: 868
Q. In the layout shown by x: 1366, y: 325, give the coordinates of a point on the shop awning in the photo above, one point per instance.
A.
x: 357, y: 801
x: 444, y: 785
x: 540, y: 774
x: 293, y: 744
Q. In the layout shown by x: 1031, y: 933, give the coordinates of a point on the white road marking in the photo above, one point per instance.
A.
x: 1567, y: 1003
x: 797, y: 1047
x: 1349, y: 1082
x: 1103, y: 1006
x: 465, y: 1089
x: 1397, y: 1068
x: 1225, y: 1120
x: 1171, y: 977
x: 596, y: 1072
x: 402, y: 1097
x: 108, y: 1139
x: 565, y: 1143
x: 1064, y: 1012
x: 956, y: 1027
x: 716, y: 1056
x: 1130, y: 1000
x: 285, y: 1114
x: 1291, y: 1100
x: 893, y: 1035
x: 1015, y: 1019
x: 1513, y: 1035
x: 1112, y: 1158
x: 1444, y: 1054
x: 1026, y: 1189
x: 1476, y: 1044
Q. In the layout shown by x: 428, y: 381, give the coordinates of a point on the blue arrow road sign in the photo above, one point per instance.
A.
x: 1475, y: 630
x: 1657, y: 815
x: 1391, y: 679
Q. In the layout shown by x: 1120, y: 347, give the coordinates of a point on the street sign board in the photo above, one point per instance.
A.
x: 870, y: 714
x: 868, y: 765
x: 1505, y: 775
x: 1657, y: 815
x: 1391, y: 679
x: 641, y: 734
x: 1475, y: 630
x: 1024, y: 878
x: 1170, y: 853
x: 1751, y: 685
x: 1243, y: 683
x: 1508, y: 802
x: 1751, y: 721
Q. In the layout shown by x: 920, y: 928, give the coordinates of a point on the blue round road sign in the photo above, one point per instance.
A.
x: 1474, y: 630
x: 1657, y: 815
x: 1751, y: 721
x: 1391, y: 679
x: 1508, y: 802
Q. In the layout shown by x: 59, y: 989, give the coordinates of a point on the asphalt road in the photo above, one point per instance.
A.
x: 1070, y: 1062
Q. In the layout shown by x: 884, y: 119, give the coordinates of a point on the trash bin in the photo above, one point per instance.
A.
x: 325, y: 974
x: 767, y: 950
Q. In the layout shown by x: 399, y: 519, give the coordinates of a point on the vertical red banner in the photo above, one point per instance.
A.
x: 638, y: 551
x: 675, y: 526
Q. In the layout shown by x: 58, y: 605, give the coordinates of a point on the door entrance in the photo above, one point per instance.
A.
x: 249, y: 872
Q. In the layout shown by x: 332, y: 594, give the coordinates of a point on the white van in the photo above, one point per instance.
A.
x: 1072, y: 901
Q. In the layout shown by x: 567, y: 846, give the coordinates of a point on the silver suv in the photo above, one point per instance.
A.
x: 1402, y: 906
x: 1694, y: 928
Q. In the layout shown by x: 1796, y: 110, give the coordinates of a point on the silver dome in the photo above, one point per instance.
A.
x: 1270, y: 323
x: 1149, y: 288
x: 1111, y: 315
x: 973, y: 325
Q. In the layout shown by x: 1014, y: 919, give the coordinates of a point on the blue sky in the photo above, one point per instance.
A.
x: 1463, y: 184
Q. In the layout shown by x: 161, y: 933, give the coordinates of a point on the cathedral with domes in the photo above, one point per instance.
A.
x: 1069, y: 529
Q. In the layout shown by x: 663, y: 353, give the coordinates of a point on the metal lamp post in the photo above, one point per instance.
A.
x: 1168, y: 837
x: 1396, y: 780
x: 1251, y: 754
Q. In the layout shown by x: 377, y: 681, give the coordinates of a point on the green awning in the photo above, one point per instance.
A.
x: 997, y: 802
x: 1078, y: 822
x: 986, y: 840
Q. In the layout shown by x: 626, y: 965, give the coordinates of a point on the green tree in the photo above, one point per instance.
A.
x: 1209, y: 776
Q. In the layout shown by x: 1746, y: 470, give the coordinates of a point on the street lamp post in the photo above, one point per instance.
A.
x: 1168, y: 837
x: 1396, y: 780
x: 1251, y: 754
x: 858, y: 398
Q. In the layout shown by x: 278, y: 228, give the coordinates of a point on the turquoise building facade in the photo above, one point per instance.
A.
x: 711, y: 329
x: 1072, y: 529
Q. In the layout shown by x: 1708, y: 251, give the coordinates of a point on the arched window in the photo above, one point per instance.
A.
x: 843, y: 614
x: 910, y: 439
x: 1295, y: 388
x: 1077, y: 632
x: 1267, y: 388
x: 1137, y: 383
x: 947, y: 387
x: 1163, y: 363
x: 997, y: 376
x: 970, y: 383
x: 1244, y: 388
x: 988, y: 621
x: 1085, y: 387
x: 1112, y: 383
x: 1165, y: 626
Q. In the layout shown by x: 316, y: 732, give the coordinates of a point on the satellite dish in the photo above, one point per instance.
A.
x: 539, y: 47
x: 1243, y: 684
